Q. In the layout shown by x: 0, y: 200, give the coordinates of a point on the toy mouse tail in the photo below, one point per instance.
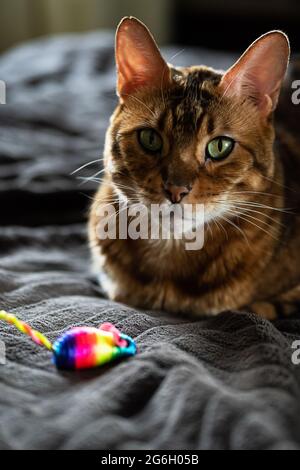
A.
x: 35, y: 335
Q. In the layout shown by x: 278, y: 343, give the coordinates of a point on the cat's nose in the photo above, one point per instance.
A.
x: 176, y: 193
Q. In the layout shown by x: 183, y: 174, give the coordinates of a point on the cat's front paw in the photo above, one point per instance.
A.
x: 265, y: 310
x: 272, y: 310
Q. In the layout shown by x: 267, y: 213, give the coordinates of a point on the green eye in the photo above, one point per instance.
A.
x: 150, y: 140
x: 219, y: 148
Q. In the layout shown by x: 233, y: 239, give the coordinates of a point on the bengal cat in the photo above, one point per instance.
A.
x: 195, y: 135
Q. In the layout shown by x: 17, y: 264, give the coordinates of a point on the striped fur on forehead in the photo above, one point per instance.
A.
x: 190, y: 101
x: 181, y: 108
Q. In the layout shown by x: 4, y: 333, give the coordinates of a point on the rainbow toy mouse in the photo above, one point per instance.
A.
x: 80, y: 347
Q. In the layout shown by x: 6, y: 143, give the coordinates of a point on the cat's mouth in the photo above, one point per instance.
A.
x: 213, y: 205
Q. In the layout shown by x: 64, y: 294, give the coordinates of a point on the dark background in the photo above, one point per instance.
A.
x: 219, y: 24
x: 233, y: 24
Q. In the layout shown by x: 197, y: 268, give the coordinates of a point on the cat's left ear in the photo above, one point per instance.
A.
x: 259, y: 72
x: 139, y: 62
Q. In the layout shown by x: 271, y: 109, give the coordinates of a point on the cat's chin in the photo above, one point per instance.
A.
x: 206, y: 212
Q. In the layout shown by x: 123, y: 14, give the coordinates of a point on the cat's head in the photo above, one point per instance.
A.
x: 193, y: 135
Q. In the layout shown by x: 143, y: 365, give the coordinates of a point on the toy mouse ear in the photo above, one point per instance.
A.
x: 259, y: 72
x: 139, y: 62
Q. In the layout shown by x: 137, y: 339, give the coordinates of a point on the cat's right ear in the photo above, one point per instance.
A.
x: 139, y: 62
x: 259, y: 73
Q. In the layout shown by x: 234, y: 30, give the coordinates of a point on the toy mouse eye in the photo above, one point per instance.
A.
x: 219, y: 148
x: 150, y: 140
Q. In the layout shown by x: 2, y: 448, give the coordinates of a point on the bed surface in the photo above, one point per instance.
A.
x: 225, y: 382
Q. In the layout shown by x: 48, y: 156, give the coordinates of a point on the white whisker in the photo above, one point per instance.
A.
x: 252, y: 223
x: 86, y: 164
x: 142, y: 103
x: 237, y: 227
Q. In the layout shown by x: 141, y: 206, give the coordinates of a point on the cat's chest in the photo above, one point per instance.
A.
x: 168, y: 259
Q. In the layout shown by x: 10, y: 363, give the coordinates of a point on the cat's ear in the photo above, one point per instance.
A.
x: 139, y: 62
x: 259, y: 73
